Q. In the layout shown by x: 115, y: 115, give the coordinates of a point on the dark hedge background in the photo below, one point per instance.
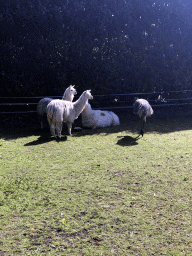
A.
x: 109, y: 46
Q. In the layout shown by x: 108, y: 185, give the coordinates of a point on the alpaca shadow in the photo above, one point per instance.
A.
x: 84, y: 131
x: 42, y: 140
x: 127, y: 141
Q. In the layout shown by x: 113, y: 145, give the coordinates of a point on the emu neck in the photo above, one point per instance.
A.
x: 80, y: 104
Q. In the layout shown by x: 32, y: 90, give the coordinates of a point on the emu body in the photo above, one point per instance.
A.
x: 143, y: 109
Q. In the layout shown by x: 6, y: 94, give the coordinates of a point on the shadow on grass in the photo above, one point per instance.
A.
x: 42, y: 140
x: 160, y: 122
x: 97, y: 131
x: 126, y: 141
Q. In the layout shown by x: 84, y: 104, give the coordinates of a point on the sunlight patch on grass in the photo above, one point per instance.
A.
x: 118, y: 195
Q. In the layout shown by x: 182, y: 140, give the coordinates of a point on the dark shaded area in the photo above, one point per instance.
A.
x: 107, y: 46
x: 164, y: 120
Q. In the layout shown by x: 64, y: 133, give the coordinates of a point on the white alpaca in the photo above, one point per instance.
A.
x: 98, y: 118
x: 143, y: 109
x: 68, y: 95
x: 62, y: 111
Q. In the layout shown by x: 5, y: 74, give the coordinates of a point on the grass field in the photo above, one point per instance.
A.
x: 98, y: 192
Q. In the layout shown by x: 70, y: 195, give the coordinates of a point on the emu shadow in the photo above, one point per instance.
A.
x: 42, y: 140
x: 126, y: 141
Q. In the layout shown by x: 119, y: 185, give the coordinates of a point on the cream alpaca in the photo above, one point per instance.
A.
x: 62, y: 111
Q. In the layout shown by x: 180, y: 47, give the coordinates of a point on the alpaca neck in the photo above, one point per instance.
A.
x: 67, y: 96
x: 80, y: 104
x: 64, y: 96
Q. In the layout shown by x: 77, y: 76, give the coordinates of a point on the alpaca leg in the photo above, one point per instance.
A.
x: 41, y: 124
x: 69, y: 125
x: 59, y: 129
x: 52, y: 130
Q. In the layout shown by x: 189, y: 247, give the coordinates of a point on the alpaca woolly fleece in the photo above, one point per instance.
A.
x: 59, y: 111
x: 68, y: 95
x: 98, y: 118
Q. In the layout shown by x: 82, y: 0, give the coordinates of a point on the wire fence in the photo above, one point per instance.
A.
x: 28, y: 105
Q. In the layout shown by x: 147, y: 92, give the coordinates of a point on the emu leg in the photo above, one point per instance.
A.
x: 142, y: 126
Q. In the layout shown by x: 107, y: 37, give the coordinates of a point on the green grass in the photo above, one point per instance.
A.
x: 119, y: 194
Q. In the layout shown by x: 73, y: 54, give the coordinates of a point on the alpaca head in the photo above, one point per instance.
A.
x: 88, y: 95
x: 69, y: 93
x: 71, y: 90
x: 136, y: 98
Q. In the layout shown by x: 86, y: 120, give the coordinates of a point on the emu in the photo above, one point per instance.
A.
x: 97, y: 118
x: 68, y: 95
x: 62, y: 111
x: 143, y: 109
